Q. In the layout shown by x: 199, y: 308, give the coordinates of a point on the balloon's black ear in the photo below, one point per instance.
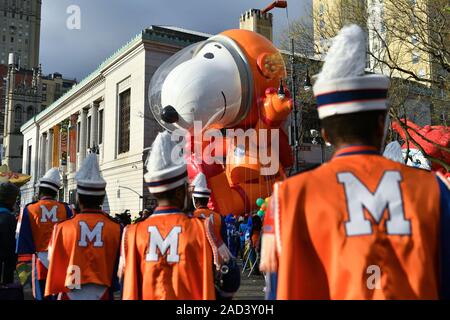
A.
x: 169, y: 114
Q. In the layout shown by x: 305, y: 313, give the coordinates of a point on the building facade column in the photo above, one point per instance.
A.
x: 56, y: 154
x: 64, y: 145
x: 73, y: 143
x: 49, y: 151
x: 42, y: 154
x: 94, y: 125
x: 83, y: 131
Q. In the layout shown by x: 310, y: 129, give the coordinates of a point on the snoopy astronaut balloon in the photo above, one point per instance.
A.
x: 225, y: 94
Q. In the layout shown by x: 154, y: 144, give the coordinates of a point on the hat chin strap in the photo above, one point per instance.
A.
x: 185, y: 203
x: 193, y: 202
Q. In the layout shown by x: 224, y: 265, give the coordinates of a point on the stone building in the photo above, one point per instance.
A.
x: 26, y: 93
x: 21, y: 76
x: 108, y: 112
x: 54, y: 86
x: 257, y: 21
x: 20, y: 26
x: 22, y: 102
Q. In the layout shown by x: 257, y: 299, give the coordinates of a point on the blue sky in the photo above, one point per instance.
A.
x: 108, y: 24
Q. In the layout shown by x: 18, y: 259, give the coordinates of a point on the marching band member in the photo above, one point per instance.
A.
x: 227, y: 283
x: 200, y: 198
x: 35, y: 228
x: 359, y: 226
x: 84, y: 250
x: 167, y: 255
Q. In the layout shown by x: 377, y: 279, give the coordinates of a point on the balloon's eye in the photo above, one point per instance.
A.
x: 208, y: 55
x: 217, y: 46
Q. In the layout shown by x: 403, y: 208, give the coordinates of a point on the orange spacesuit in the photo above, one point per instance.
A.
x: 232, y: 85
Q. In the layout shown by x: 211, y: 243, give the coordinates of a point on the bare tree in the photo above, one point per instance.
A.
x: 408, y: 40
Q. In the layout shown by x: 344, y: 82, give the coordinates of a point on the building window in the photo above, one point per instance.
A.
x: 12, y: 39
x: 322, y: 24
x: 124, y: 121
x: 72, y: 196
x: 415, y: 58
x: 18, y: 116
x: 89, y: 121
x: 67, y: 84
x: 100, y: 127
x: 29, y: 160
x: 414, y: 39
x: 421, y: 73
x: 321, y: 9
x: 78, y: 136
x: 30, y: 112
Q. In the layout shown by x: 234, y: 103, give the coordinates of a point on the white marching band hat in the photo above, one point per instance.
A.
x: 341, y: 86
x: 166, y: 166
x: 51, y: 180
x: 89, y: 179
x: 200, y: 186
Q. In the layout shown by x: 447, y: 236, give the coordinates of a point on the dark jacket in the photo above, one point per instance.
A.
x: 8, y: 257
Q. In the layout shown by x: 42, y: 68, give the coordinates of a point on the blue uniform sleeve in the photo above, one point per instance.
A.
x: 223, y: 231
x: 115, y: 283
x: 68, y: 211
x: 445, y: 240
x: 25, y: 242
x: 271, y: 285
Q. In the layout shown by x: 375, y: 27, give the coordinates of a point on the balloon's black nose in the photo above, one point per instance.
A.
x: 169, y: 114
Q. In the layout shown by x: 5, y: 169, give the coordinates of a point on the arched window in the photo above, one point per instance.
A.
x: 18, y: 116
x: 30, y: 112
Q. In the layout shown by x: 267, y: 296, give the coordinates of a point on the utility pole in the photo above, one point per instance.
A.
x: 295, y: 125
x: 294, y: 122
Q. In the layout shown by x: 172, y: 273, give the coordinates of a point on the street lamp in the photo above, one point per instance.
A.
x: 307, y: 84
x: 94, y: 149
x: 294, y: 122
x: 317, y: 139
x: 297, y: 120
x: 135, y: 192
